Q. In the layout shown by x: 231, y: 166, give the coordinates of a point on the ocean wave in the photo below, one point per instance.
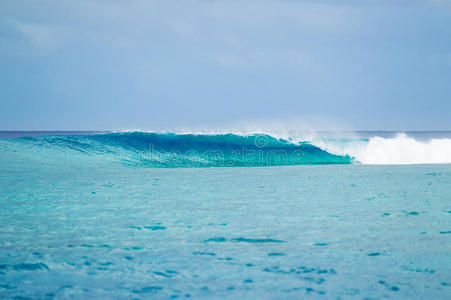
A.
x: 174, y: 150
x: 171, y: 150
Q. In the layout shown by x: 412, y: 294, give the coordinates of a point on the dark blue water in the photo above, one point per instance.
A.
x: 18, y: 134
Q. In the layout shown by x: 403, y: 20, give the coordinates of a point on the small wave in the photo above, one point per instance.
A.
x: 25, y: 267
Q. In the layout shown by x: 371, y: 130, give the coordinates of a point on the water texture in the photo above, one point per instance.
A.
x: 80, y: 220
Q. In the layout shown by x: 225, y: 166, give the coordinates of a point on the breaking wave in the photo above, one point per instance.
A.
x: 398, y: 150
x: 169, y: 150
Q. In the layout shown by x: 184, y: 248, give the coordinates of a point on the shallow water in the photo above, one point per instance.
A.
x: 102, y: 230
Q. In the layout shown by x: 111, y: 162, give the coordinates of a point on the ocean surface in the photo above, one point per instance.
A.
x: 137, y: 215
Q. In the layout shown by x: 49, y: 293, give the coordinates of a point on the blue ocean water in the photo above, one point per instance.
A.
x: 146, y: 215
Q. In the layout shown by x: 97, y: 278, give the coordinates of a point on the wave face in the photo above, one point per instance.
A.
x: 168, y: 150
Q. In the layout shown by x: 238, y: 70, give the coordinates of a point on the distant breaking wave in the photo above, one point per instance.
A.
x: 172, y: 150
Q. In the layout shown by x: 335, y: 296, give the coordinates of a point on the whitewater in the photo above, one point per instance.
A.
x: 397, y: 150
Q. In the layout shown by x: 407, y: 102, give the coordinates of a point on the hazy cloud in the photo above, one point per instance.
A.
x: 138, y: 64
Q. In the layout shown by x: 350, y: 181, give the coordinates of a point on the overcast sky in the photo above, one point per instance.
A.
x: 153, y: 65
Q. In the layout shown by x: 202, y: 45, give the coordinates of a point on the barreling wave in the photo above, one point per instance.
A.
x: 172, y: 150
x: 168, y: 150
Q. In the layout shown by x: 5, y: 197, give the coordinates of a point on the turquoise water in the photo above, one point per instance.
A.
x: 171, y: 150
x: 96, y: 217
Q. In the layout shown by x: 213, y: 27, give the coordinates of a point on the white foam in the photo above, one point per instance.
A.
x: 398, y: 150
